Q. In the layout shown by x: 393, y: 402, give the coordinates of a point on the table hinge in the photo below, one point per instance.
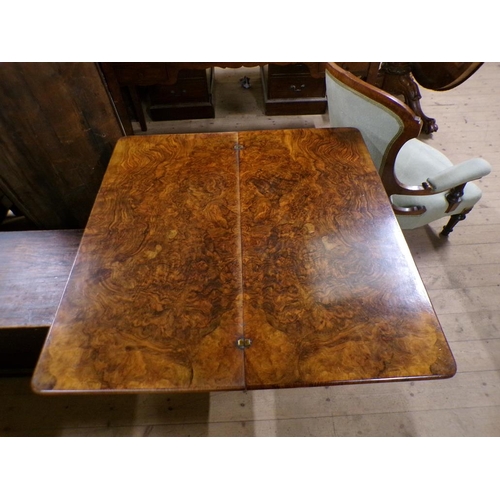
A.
x: 244, y: 343
x: 238, y: 147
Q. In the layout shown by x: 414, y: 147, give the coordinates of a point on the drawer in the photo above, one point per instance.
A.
x: 292, y: 82
x: 140, y: 73
x: 191, y: 86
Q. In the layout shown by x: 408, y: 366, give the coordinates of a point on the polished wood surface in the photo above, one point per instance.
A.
x: 153, y: 301
x: 34, y: 270
x: 443, y: 75
x: 317, y: 285
x: 467, y: 304
x: 331, y: 292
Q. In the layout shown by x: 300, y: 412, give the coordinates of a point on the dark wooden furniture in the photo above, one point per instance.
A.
x: 292, y: 90
x: 241, y: 260
x: 403, y: 78
x: 421, y: 182
x: 34, y: 269
x: 58, y: 129
x: 441, y: 76
x: 289, y: 88
x: 397, y: 79
x: 124, y: 80
x: 190, y: 97
x: 367, y: 71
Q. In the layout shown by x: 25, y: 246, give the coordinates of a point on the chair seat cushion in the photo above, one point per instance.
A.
x: 416, y: 162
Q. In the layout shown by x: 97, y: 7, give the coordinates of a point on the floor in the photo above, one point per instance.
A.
x: 462, y: 276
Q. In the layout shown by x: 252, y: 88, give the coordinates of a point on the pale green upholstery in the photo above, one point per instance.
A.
x: 348, y: 108
x: 417, y: 177
x: 417, y: 162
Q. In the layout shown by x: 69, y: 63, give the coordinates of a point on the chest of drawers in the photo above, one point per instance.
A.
x: 291, y: 89
x: 190, y: 97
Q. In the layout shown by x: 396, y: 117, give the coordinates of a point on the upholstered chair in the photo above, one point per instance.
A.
x: 421, y: 182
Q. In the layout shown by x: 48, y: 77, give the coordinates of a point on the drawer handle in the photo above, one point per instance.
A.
x: 295, y: 89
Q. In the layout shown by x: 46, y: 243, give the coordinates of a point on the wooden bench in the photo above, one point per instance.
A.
x: 34, y: 269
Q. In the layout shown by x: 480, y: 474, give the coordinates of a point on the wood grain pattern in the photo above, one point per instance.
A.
x: 331, y: 292
x: 34, y: 269
x: 466, y: 405
x: 290, y: 242
x: 58, y: 129
x: 154, y: 298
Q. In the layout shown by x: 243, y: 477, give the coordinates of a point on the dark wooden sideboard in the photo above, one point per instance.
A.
x: 184, y: 90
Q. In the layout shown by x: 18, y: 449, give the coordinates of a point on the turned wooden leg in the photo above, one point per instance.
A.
x: 398, y: 81
x: 454, y: 220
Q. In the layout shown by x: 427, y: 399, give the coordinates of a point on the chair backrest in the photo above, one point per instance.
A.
x: 384, y: 122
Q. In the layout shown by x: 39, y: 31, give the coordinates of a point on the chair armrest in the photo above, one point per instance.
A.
x: 462, y: 173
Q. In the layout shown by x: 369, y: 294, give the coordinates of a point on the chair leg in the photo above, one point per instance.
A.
x: 454, y: 220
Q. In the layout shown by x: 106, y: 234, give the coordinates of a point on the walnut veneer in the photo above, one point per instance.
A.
x: 241, y: 260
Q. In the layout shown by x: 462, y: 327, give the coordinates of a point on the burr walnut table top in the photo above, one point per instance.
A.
x: 243, y: 260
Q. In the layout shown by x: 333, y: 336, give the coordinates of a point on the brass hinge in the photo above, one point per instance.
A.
x: 243, y: 343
